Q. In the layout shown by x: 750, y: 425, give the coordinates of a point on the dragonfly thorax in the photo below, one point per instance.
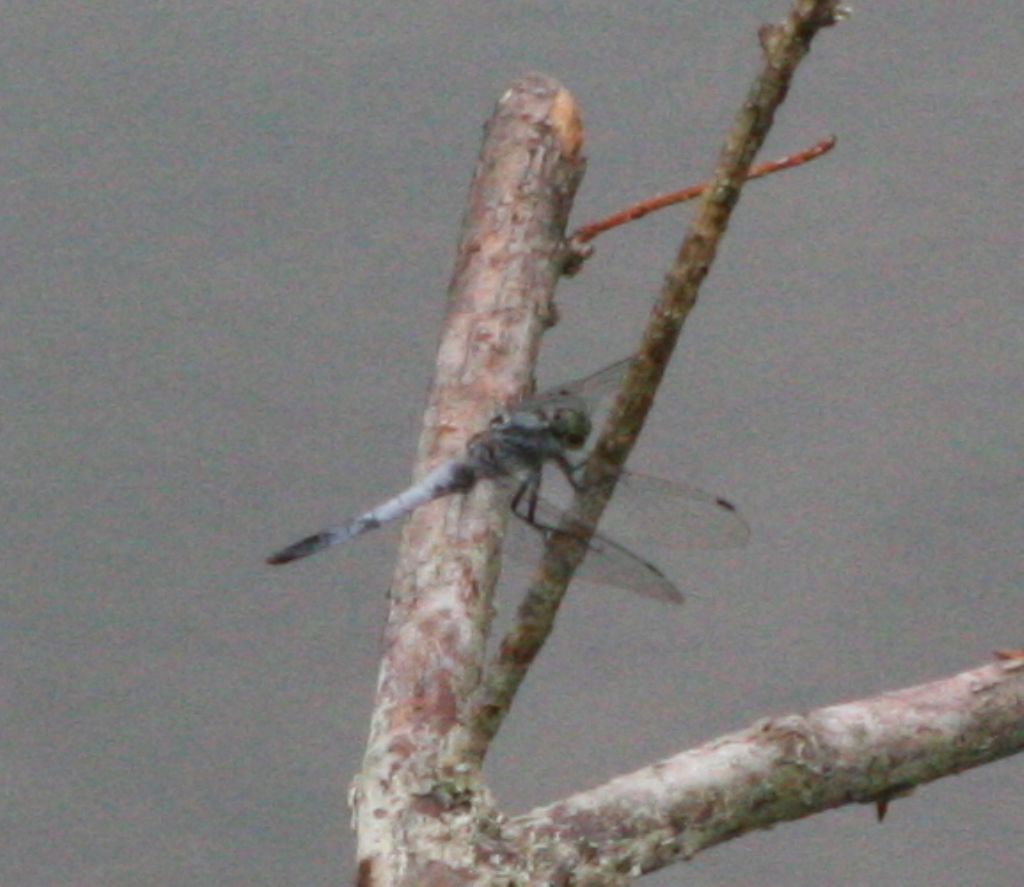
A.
x: 557, y: 426
x: 520, y: 441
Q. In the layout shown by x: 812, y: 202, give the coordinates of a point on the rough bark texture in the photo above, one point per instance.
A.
x: 410, y: 793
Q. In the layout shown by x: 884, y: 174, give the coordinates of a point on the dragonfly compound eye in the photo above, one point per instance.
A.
x: 572, y: 427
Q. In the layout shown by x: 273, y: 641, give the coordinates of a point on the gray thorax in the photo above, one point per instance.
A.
x: 519, y: 442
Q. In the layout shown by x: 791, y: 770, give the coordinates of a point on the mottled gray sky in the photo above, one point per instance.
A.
x: 228, y: 235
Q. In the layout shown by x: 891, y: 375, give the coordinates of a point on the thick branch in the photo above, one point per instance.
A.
x: 500, y: 301
x: 784, y: 46
x: 783, y: 769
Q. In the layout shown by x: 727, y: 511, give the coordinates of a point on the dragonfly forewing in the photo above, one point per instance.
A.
x: 588, y: 389
x: 676, y: 514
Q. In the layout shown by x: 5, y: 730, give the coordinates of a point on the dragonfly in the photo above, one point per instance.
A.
x: 513, y: 450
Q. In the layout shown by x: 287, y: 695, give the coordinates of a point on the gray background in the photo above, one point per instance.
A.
x: 228, y: 232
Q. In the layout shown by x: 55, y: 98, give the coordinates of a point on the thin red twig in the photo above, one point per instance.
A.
x: 586, y: 233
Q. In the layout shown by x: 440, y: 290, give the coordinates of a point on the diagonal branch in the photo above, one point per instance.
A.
x: 784, y: 46
x: 782, y: 769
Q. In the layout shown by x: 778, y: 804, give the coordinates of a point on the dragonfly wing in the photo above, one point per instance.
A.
x: 675, y: 513
x: 589, y: 389
x: 606, y: 562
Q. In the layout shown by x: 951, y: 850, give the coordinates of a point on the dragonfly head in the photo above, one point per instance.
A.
x: 571, y: 427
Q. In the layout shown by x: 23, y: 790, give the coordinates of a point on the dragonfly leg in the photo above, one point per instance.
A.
x: 518, y: 497
x: 548, y: 531
x: 528, y: 489
x: 570, y: 470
